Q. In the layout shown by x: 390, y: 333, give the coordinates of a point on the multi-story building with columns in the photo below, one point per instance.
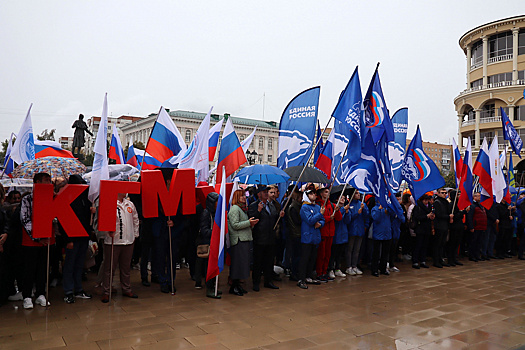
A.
x: 495, y: 55
x: 263, y: 149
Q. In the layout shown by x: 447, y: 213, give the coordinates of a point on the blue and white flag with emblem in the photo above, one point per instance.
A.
x: 24, y: 147
x: 419, y: 171
x: 297, y: 129
x: 510, y: 133
x: 396, y: 148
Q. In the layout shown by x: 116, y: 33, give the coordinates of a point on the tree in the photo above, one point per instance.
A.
x: 136, y: 144
x: 4, y: 148
x: 46, y: 135
x: 450, y: 179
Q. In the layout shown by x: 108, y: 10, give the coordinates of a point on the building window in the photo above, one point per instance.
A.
x: 519, y: 113
x: 500, y: 44
x: 521, y: 42
x: 499, y: 78
x: 269, y: 158
x: 471, y: 115
x: 521, y: 74
x: 477, y: 54
x: 270, y: 143
x: 261, y: 142
x: 241, y: 138
x: 188, y: 136
x: 488, y: 111
x: 476, y: 83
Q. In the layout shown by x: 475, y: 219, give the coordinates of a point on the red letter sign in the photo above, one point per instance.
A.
x: 107, y: 209
x: 154, y: 189
x: 46, y: 208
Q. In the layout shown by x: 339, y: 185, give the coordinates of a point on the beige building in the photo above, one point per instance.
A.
x: 263, y: 149
x: 495, y: 54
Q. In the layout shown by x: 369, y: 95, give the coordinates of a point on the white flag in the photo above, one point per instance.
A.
x: 245, y: 144
x: 498, y: 179
x: 197, y: 155
x: 100, y: 163
x: 24, y: 147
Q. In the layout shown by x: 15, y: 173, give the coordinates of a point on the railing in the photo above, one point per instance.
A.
x: 490, y: 86
x: 500, y: 58
x: 490, y: 120
x: 468, y: 122
x: 475, y: 65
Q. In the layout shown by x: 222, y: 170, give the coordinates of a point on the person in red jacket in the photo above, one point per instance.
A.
x: 324, y: 250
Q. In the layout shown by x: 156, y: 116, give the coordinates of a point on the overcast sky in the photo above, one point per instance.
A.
x: 62, y: 56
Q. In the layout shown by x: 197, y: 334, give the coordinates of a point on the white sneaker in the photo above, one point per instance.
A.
x: 331, y: 274
x: 309, y: 280
x: 338, y: 273
x: 28, y: 303
x: 41, y: 300
x: 357, y: 271
x: 348, y: 271
x: 395, y: 269
x: 351, y: 271
x: 16, y: 297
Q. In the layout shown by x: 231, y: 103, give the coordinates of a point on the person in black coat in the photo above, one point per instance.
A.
x: 203, y: 238
x: 441, y: 222
x: 456, y: 229
x: 491, y: 234
x: 423, y: 217
x: 264, y: 238
x: 504, y: 240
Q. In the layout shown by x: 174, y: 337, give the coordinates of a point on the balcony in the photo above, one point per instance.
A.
x: 493, y: 85
x: 468, y: 122
x: 496, y: 119
x: 500, y: 58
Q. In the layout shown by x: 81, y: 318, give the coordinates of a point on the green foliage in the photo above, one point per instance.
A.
x: 450, y: 180
x: 46, y: 135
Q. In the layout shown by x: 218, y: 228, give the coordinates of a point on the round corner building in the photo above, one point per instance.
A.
x: 495, y: 55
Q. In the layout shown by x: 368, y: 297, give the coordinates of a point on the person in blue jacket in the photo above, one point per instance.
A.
x: 382, y: 236
x: 312, y: 220
x: 359, y: 217
x: 396, y: 233
x: 340, y: 240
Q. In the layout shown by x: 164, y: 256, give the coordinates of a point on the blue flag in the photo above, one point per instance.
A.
x: 418, y: 170
x: 377, y: 118
x: 319, y: 148
x: 341, y: 159
x: 297, y: 129
x: 509, y: 133
x: 396, y: 148
x: 365, y: 174
x: 349, y: 112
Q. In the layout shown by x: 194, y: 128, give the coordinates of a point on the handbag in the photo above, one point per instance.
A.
x: 203, y: 251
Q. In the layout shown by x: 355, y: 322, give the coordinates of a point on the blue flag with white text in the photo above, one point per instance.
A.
x: 349, y: 112
x: 297, y: 128
x: 396, y: 148
x: 510, y: 133
x: 418, y: 170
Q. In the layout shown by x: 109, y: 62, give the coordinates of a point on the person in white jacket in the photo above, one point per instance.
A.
x: 123, y: 237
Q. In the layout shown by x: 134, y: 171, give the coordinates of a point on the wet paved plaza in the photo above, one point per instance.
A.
x: 476, y: 306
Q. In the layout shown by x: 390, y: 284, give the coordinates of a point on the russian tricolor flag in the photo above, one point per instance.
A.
x: 219, y: 231
x: 9, y: 164
x: 51, y: 149
x: 465, y: 185
x: 231, y: 155
x: 458, y: 163
x: 319, y: 141
x: 132, y: 157
x: 482, y: 169
x: 164, y: 142
x: 324, y: 162
x: 215, y: 132
x: 116, y: 152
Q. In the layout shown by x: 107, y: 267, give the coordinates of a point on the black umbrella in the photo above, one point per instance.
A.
x: 309, y: 175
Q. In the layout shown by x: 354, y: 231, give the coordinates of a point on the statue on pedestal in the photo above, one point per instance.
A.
x: 80, y: 127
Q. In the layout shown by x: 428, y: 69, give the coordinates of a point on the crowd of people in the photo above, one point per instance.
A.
x: 313, y: 235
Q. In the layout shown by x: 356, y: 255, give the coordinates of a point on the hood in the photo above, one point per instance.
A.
x: 306, y: 199
x: 211, y: 199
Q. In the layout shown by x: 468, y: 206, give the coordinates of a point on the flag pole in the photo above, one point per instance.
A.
x: 171, y: 259
x: 144, y: 158
x: 47, y: 278
x: 216, y: 285
x: 111, y: 267
x: 304, y: 168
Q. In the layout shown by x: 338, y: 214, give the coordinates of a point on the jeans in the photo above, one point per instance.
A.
x: 73, y: 267
x: 352, y: 250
